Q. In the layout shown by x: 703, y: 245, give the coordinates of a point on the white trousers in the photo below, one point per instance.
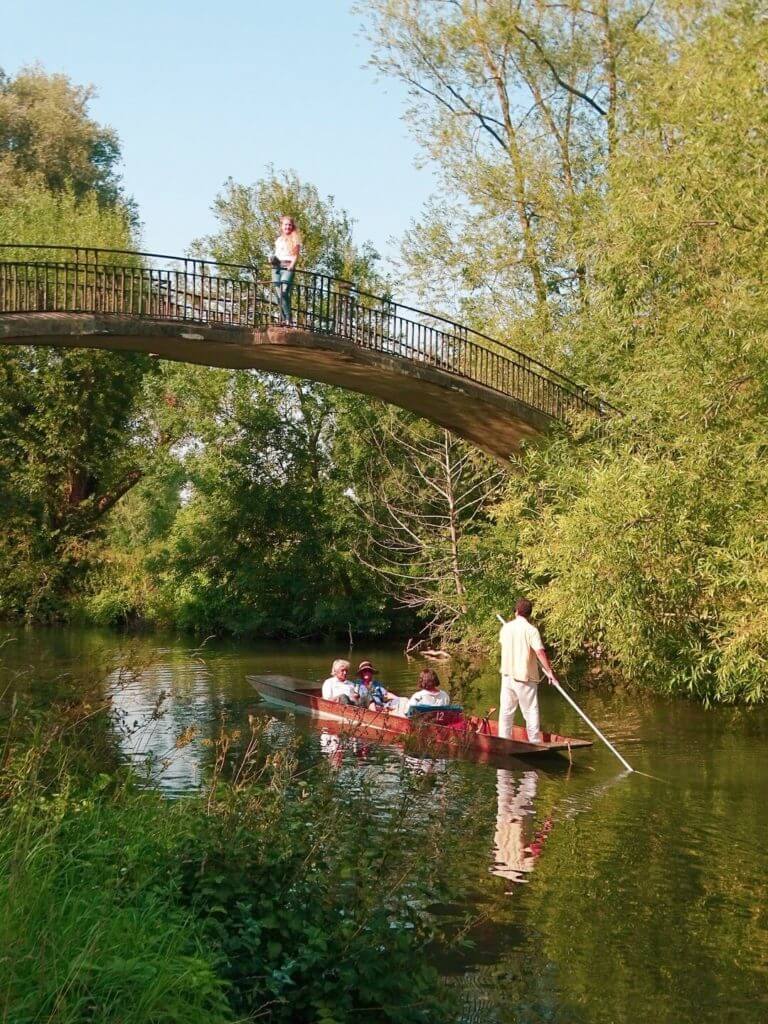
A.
x: 527, y: 696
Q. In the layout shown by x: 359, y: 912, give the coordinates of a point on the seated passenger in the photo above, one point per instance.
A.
x: 337, y: 687
x: 336, y: 684
x: 358, y: 695
x: 381, y: 699
x: 429, y: 692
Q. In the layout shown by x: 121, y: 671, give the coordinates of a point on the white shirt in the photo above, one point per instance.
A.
x: 519, y: 639
x: 287, y: 246
x: 435, y: 698
x: 334, y: 688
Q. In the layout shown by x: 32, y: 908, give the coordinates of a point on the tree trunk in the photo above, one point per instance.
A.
x: 611, y: 74
x: 453, y: 524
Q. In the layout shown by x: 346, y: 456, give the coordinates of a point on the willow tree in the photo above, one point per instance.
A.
x: 518, y: 106
x: 647, y: 541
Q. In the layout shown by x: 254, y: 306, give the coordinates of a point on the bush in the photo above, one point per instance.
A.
x: 285, y: 888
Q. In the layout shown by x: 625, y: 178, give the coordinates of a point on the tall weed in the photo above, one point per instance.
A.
x: 285, y: 890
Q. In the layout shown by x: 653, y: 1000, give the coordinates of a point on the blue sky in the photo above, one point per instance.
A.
x: 199, y: 92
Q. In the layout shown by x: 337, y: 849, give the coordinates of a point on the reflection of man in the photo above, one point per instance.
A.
x: 330, y: 744
x: 514, y: 858
x: 521, y: 653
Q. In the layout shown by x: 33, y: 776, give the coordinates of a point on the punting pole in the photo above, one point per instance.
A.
x: 586, y: 718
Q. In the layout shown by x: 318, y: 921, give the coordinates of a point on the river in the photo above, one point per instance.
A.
x: 602, y: 897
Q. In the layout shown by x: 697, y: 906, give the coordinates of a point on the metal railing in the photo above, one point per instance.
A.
x: 122, y: 283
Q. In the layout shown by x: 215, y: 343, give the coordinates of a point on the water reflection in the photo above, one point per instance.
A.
x: 340, y: 743
x: 335, y: 744
x: 157, y: 716
x: 650, y: 903
x: 331, y: 746
x: 516, y: 846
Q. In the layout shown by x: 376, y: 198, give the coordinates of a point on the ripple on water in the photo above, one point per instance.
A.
x: 643, y: 901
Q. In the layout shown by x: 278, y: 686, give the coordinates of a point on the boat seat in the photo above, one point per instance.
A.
x: 449, y: 714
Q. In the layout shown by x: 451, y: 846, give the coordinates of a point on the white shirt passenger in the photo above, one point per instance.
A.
x: 434, y: 698
x: 519, y: 641
x: 329, y: 688
x: 334, y: 688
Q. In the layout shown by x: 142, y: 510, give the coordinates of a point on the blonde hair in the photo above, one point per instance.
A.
x: 294, y: 225
x: 338, y: 664
x: 294, y: 238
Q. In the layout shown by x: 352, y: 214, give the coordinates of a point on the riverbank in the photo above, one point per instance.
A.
x: 597, y: 897
x: 278, y: 890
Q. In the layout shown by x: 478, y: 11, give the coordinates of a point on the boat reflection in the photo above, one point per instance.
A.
x: 425, y: 765
x: 516, y: 844
x: 335, y: 742
x: 338, y: 739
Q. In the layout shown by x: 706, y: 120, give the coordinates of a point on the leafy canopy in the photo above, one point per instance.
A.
x: 47, y: 135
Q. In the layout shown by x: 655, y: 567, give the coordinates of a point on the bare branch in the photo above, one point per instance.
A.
x: 556, y: 75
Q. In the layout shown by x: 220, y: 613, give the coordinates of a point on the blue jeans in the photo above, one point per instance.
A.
x: 282, y: 281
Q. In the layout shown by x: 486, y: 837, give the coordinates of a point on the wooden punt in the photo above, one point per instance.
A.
x: 438, y: 731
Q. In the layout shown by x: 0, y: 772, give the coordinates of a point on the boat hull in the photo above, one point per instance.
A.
x: 425, y: 731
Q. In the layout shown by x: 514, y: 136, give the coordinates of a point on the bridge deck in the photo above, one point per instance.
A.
x: 222, y: 315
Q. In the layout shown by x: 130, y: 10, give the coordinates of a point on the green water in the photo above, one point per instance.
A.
x: 601, y: 898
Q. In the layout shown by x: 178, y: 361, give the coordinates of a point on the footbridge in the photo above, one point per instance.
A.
x: 220, y: 314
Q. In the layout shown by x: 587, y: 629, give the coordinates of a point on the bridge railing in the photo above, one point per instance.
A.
x: 64, y: 279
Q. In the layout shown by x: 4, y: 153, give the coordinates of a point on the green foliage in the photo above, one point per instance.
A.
x: 79, y: 943
x: 246, y: 526
x: 69, y: 443
x: 30, y: 213
x: 309, y: 883
x: 66, y: 455
x: 85, y: 950
x: 282, y: 885
x: 47, y: 137
x: 517, y: 105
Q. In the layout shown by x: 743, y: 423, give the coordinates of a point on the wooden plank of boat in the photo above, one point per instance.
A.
x: 287, y: 692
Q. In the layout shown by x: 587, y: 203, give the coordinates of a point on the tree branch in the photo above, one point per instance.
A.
x: 111, y: 498
x: 560, y: 81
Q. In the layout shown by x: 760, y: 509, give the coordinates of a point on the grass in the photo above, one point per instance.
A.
x: 283, y: 891
x: 78, y: 944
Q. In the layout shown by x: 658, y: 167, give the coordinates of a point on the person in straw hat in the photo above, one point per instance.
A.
x: 382, y: 699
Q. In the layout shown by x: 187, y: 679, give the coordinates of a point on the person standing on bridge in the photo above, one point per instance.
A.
x: 521, y: 653
x: 286, y: 255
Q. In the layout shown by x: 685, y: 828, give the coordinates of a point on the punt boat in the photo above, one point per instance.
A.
x: 442, y: 730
